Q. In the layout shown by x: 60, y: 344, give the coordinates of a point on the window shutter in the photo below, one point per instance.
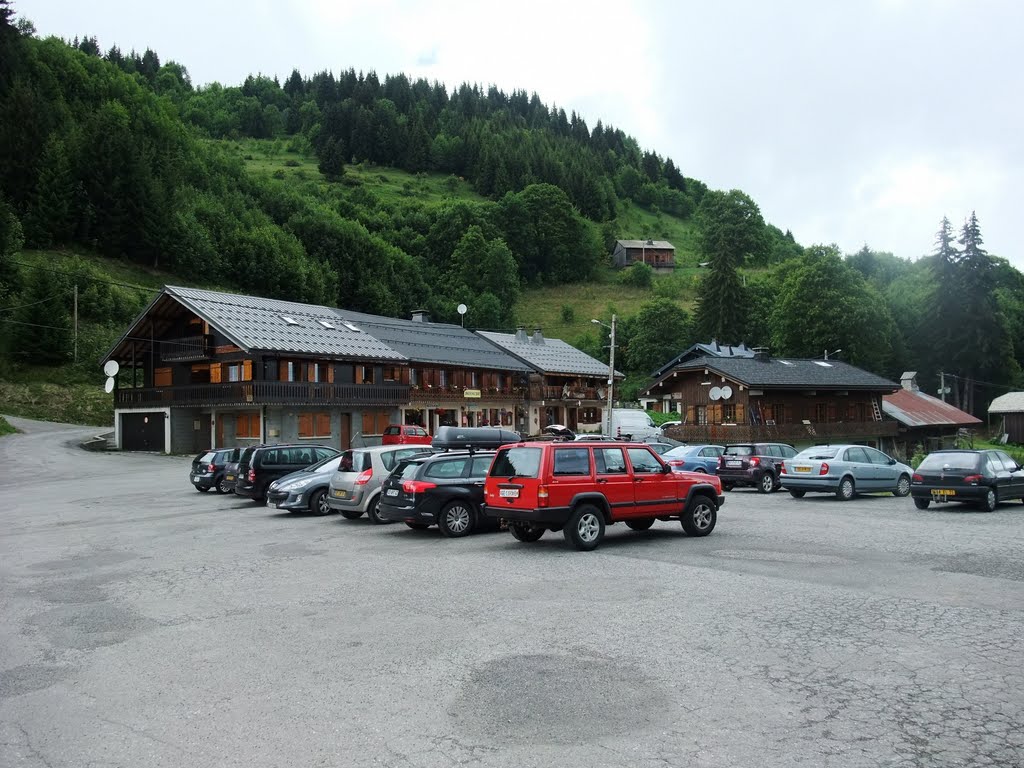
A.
x: 330, y: 373
x: 305, y: 425
x: 310, y: 371
x: 247, y: 370
x: 162, y: 377
x: 739, y: 413
x: 323, y: 425
x: 691, y: 414
x: 215, y: 373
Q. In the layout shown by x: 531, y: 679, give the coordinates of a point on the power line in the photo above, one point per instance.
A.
x: 85, y: 276
x: 30, y: 304
x: 35, y: 325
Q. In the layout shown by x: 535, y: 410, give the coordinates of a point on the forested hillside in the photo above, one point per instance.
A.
x: 387, y: 195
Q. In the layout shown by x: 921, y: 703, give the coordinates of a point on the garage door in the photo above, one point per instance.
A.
x: 142, y: 431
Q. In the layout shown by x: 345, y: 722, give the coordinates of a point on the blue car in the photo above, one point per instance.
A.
x: 694, y: 458
x: 844, y: 470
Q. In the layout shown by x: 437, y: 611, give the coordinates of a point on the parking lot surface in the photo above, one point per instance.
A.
x: 145, y: 624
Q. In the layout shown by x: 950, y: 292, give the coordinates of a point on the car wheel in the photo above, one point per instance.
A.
x: 700, y: 516
x: 991, y: 501
x: 202, y: 489
x: 351, y: 514
x: 418, y: 526
x: 640, y: 525
x: 318, y: 503
x: 524, y: 532
x: 456, y: 519
x: 373, y: 512
x: 767, y: 483
x: 902, y: 487
x: 846, y: 490
x: 585, y: 528
x: 223, y: 486
x: 922, y: 503
x: 797, y: 494
x: 701, y: 470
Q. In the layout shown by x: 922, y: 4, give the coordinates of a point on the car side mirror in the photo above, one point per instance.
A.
x: 891, y: 462
x: 666, y: 469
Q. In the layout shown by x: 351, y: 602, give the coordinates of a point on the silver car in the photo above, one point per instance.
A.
x: 355, y: 485
x: 844, y: 470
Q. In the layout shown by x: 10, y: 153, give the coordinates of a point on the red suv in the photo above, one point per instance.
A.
x: 405, y: 434
x: 580, y: 488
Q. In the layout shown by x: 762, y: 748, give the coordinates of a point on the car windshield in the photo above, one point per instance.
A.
x: 407, y: 470
x: 818, y: 453
x: 393, y: 431
x: 739, y: 450
x: 206, y: 458
x: 516, y: 462
x: 354, y: 461
x: 951, y: 460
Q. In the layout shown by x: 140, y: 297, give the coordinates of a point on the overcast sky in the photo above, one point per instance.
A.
x: 847, y: 122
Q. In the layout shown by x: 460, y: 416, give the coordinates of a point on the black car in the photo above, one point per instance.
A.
x: 260, y: 465
x: 984, y: 478
x: 210, y: 470
x: 444, y: 489
x: 753, y: 464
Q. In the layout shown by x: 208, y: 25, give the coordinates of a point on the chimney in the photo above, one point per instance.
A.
x: 538, y: 337
x: 761, y: 353
x: 420, y: 316
x: 521, y: 334
x: 650, y: 242
x: 909, y: 380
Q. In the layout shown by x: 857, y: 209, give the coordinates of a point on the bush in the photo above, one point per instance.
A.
x: 568, y: 314
x: 292, y: 162
x: 637, y: 276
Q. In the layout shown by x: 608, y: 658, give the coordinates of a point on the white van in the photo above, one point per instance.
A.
x: 633, y: 424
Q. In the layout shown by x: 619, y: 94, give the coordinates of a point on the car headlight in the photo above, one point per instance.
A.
x: 296, y: 485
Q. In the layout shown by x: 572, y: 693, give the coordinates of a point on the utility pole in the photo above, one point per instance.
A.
x: 942, y: 385
x: 76, y: 322
x: 611, y: 379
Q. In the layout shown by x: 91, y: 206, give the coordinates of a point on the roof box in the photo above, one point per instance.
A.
x: 464, y: 438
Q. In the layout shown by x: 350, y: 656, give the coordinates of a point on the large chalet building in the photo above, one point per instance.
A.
x: 201, y: 369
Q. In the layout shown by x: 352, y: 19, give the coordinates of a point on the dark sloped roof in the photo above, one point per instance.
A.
x: 440, y: 343
x: 549, y: 356
x: 257, y: 323
x: 645, y: 244
x: 790, y: 373
x: 914, y: 408
x: 711, y: 349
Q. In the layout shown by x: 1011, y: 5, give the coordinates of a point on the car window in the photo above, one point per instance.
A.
x: 516, y: 462
x: 480, y: 465
x: 419, y: 432
x: 773, y: 450
x: 817, y: 453
x: 354, y: 461
x: 572, y: 461
x: 393, y: 431
x: 391, y: 458
x: 207, y: 457
x: 447, y: 469
x: 609, y: 461
x: 993, y: 465
x: 1008, y: 462
x: 643, y: 460
x: 952, y: 460
x: 876, y: 457
x: 738, y: 450
x: 857, y: 454
x: 407, y: 470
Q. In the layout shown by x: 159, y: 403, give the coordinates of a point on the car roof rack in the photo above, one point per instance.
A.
x: 472, y: 438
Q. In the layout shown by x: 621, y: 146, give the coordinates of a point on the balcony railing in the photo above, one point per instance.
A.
x: 186, y: 349
x: 265, y: 393
x: 785, y: 433
x: 544, y: 392
x: 452, y: 393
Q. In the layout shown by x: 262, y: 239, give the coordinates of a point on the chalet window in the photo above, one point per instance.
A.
x: 778, y: 413
x: 315, y: 424
x: 862, y: 412
x: 162, y: 377
x: 240, y: 371
x: 413, y: 377
x: 364, y: 374
x: 247, y: 424
x: 590, y: 415
x: 392, y: 373
x: 442, y: 378
x: 821, y: 412
x: 728, y: 413
x: 499, y: 381
x: 474, y: 379
x: 702, y: 414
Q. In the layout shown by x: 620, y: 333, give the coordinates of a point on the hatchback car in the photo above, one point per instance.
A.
x: 984, y: 478
x: 844, y: 470
x: 260, y: 465
x: 753, y: 464
x: 306, y: 489
x: 694, y: 458
x: 405, y: 434
x: 210, y: 469
x: 355, y: 485
x: 445, y: 489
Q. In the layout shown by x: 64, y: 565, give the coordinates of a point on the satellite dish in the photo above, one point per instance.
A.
x: 463, y: 309
x: 108, y: 385
x: 111, y: 368
x: 715, y: 393
x: 726, y: 392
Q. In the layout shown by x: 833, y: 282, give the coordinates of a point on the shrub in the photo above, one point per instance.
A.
x: 568, y: 314
x: 637, y: 276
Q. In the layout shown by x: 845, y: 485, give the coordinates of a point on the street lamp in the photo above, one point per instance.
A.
x: 611, y: 371
x: 833, y: 352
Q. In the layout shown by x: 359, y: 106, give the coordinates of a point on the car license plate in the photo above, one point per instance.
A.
x: 391, y: 492
x: 940, y: 492
x: 229, y: 477
x: 802, y: 469
x: 340, y: 494
x: 734, y: 463
x: 508, y: 493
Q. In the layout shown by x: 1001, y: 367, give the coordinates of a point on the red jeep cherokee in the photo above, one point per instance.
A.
x: 579, y: 488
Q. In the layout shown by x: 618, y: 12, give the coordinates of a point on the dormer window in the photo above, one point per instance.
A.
x: 328, y: 325
x: 289, y: 320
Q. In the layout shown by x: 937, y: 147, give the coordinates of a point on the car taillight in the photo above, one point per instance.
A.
x: 755, y: 461
x: 211, y: 468
x: 542, y: 496
x: 721, y: 461
x: 918, y: 478
x: 824, y: 468
x: 973, y: 479
x: 252, y: 475
x: 364, y: 477
x: 782, y: 467
x: 676, y: 462
x: 417, y: 486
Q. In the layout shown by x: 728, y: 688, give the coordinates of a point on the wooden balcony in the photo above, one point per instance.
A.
x: 188, y: 349
x: 265, y: 393
x: 458, y: 394
x: 853, y: 431
x: 543, y: 392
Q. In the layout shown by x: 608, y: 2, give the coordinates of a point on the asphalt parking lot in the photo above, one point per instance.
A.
x: 145, y: 624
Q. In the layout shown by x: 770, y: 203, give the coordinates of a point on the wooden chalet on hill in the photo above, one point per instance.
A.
x: 658, y: 254
x: 797, y: 401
